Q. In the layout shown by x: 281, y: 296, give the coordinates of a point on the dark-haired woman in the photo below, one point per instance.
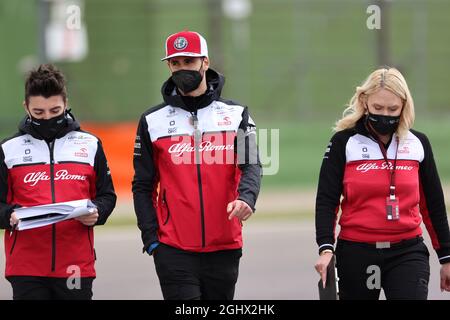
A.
x: 52, y: 160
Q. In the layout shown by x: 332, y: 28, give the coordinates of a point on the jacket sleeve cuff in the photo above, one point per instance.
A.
x: 326, y: 246
x: 443, y: 255
x: 149, y: 240
x: 6, y: 215
x: 152, y: 247
x: 250, y: 204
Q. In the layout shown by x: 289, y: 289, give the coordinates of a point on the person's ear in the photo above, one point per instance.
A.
x: 24, y: 103
x: 168, y: 65
x: 366, y: 108
x: 205, y: 63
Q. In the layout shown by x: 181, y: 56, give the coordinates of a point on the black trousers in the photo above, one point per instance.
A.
x: 43, y: 288
x: 187, y: 275
x: 402, y: 271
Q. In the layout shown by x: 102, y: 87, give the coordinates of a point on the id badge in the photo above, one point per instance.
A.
x: 392, y: 209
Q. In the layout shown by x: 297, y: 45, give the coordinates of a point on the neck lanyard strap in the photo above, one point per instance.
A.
x: 392, y: 170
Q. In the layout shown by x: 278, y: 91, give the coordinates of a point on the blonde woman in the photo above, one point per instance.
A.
x: 387, y: 177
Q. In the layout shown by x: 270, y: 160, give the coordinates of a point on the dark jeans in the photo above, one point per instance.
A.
x: 43, y: 288
x: 187, y: 275
x: 403, y: 271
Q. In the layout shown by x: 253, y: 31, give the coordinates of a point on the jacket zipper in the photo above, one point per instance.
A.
x: 52, y: 184
x: 167, y: 206
x: 197, y: 139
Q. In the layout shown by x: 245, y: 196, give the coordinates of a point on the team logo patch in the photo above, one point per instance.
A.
x: 82, y: 153
x: 404, y: 149
x: 226, y: 122
x: 365, y: 154
x: 180, y: 43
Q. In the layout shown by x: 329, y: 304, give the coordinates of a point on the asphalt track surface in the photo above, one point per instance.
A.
x: 277, y: 263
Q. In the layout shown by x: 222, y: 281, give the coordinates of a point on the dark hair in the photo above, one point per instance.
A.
x: 45, y: 81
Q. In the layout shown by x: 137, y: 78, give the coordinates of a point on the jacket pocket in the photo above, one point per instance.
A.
x: 167, y: 207
x: 90, y: 241
x: 14, y: 242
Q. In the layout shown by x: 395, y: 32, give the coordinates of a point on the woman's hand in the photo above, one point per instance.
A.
x: 322, y: 265
x: 89, y: 219
x: 13, y: 220
x: 445, y: 277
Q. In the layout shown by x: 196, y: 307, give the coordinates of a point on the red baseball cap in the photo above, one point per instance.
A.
x: 185, y: 43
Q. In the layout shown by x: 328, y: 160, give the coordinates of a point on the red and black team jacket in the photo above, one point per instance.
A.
x: 354, y: 167
x: 181, y: 191
x: 35, y: 172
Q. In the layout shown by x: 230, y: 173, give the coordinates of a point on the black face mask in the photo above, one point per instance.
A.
x: 187, y: 80
x: 383, y: 124
x: 49, y: 128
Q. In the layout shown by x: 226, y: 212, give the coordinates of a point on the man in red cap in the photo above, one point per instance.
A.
x: 197, y: 177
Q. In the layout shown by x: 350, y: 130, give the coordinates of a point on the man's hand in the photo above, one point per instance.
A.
x: 89, y: 219
x: 239, y: 209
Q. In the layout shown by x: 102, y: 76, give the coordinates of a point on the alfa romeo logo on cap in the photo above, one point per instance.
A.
x: 180, y: 43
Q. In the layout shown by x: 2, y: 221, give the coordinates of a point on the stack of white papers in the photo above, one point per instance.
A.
x: 38, y: 216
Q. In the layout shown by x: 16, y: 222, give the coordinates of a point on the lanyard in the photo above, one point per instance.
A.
x: 392, y: 171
